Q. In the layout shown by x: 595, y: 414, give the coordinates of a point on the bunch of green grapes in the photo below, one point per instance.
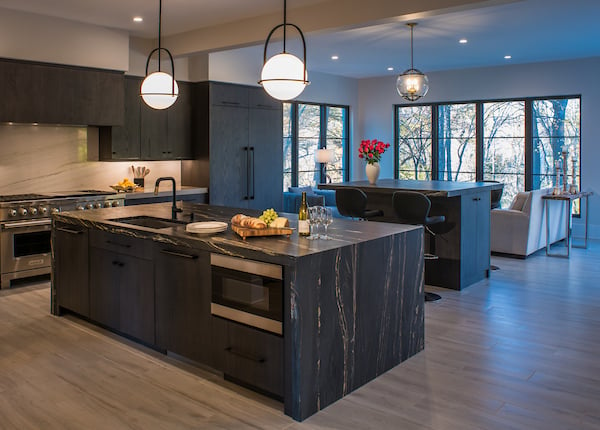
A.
x: 268, y: 216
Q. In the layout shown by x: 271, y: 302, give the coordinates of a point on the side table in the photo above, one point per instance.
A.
x: 567, y: 200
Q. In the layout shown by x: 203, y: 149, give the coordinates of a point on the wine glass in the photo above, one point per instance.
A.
x: 326, y: 219
x: 313, y: 222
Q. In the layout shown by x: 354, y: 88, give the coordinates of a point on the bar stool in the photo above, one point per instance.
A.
x: 413, y: 208
x: 352, y: 202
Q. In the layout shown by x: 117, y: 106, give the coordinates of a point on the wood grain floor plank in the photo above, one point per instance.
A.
x: 516, y: 351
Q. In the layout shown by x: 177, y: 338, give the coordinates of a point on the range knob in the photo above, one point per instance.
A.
x: 107, y: 204
x: 115, y: 203
x: 43, y: 210
x: 80, y: 208
x: 12, y: 212
x: 22, y: 211
x: 55, y: 210
x: 89, y: 206
x: 33, y: 211
x: 98, y: 205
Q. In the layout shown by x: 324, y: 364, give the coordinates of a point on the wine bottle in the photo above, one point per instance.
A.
x: 303, y: 227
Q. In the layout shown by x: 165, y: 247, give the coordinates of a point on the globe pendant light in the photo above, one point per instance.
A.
x: 159, y: 89
x: 284, y: 76
x: 412, y: 84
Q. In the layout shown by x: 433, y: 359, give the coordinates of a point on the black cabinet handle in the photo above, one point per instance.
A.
x: 118, y: 263
x: 476, y: 199
x: 245, y: 355
x: 251, y: 163
x: 179, y: 254
x: 123, y: 245
x: 68, y: 230
x: 247, y: 196
x: 225, y: 102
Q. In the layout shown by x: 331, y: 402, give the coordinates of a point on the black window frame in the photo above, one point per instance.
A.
x: 322, y: 138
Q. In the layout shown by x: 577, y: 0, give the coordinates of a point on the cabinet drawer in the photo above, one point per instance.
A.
x: 121, y: 244
x: 228, y: 95
x: 250, y: 356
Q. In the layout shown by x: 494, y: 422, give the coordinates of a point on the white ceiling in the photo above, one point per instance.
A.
x: 529, y: 30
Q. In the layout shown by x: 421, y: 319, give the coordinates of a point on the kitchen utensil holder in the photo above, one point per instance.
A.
x: 138, y: 181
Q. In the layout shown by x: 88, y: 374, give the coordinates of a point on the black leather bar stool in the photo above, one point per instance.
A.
x: 412, y: 207
x: 496, y: 195
x: 352, y: 202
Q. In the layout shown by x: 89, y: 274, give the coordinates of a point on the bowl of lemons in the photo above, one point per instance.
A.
x: 124, y: 186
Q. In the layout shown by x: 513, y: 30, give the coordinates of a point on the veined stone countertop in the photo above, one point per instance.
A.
x: 165, y: 191
x: 343, y: 232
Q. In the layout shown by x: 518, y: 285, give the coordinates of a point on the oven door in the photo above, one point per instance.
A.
x: 248, y: 292
x: 25, y: 246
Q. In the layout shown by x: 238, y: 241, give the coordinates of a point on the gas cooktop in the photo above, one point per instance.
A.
x: 63, y: 194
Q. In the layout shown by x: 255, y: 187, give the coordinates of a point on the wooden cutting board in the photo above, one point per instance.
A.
x: 245, y: 232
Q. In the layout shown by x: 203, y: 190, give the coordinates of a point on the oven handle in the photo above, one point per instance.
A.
x: 29, y: 223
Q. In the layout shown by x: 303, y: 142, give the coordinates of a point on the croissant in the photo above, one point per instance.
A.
x: 237, y: 219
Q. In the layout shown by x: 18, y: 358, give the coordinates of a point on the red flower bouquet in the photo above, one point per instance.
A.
x: 371, y: 150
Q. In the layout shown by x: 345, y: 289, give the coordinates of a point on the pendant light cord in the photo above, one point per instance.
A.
x: 159, y: 31
x: 284, y: 22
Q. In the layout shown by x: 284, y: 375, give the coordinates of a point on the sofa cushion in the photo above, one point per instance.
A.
x: 519, y: 201
x: 300, y: 190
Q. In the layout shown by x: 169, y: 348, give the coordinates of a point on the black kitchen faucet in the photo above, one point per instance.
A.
x: 174, y: 209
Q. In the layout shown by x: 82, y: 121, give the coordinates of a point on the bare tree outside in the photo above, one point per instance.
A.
x: 414, y: 142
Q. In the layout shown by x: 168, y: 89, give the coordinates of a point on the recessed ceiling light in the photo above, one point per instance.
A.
x: 138, y: 19
x: 507, y: 57
x: 463, y: 41
x: 335, y: 57
x: 390, y: 69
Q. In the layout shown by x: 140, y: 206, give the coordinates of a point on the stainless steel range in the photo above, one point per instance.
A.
x: 25, y: 223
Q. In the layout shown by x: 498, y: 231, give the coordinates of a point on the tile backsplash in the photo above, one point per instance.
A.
x: 45, y: 158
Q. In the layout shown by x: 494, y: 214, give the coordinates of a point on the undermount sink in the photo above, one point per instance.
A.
x: 150, y: 221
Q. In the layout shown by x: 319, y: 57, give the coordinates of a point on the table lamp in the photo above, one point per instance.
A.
x: 324, y: 156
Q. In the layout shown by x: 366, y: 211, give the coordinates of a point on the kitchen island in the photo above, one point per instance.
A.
x: 462, y: 242
x: 352, y: 307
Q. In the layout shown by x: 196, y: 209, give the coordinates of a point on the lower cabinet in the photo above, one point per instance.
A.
x: 122, y: 284
x: 248, y: 356
x: 70, y: 276
x: 182, y: 285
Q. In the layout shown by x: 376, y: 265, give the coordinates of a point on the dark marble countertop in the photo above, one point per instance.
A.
x: 446, y: 188
x: 280, y: 248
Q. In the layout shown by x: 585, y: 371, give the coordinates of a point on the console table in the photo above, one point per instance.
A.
x: 566, y: 199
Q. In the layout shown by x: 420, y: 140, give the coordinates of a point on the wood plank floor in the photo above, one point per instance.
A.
x: 517, y: 351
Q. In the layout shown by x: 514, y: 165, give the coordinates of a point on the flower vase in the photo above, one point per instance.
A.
x: 372, y: 171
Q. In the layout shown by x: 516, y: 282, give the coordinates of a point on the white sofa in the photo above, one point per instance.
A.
x: 521, y: 229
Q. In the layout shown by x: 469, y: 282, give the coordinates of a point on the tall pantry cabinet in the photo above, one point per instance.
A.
x: 240, y: 133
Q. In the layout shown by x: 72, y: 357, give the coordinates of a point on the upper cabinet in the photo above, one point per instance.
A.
x: 52, y: 94
x: 150, y: 134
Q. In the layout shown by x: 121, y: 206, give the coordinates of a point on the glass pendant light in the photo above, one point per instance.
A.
x: 284, y: 75
x: 159, y: 89
x: 412, y: 84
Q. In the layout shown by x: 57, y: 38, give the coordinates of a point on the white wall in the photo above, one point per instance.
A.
x: 378, y: 95
x: 27, y: 36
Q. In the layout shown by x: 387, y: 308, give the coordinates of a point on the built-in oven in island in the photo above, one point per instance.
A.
x: 247, y: 292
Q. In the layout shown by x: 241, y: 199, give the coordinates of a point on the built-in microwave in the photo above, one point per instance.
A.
x: 247, y: 291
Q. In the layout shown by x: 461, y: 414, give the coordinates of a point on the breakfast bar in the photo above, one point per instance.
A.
x: 462, y: 242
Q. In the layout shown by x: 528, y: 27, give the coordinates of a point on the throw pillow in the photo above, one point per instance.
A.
x: 300, y: 190
x: 519, y: 201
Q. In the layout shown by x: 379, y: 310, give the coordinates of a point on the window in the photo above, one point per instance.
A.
x: 516, y: 142
x: 413, y: 151
x: 307, y: 128
x: 456, y: 142
x: 504, y: 146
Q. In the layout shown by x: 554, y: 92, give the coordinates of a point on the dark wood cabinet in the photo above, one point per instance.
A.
x: 70, y: 276
x: 183, y: 302
x: 248, y: 355
x: 122, y: 284
x: 475, y: 237
x: 150, y: 134
x: 53, y: 94
x: 242, y: 130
